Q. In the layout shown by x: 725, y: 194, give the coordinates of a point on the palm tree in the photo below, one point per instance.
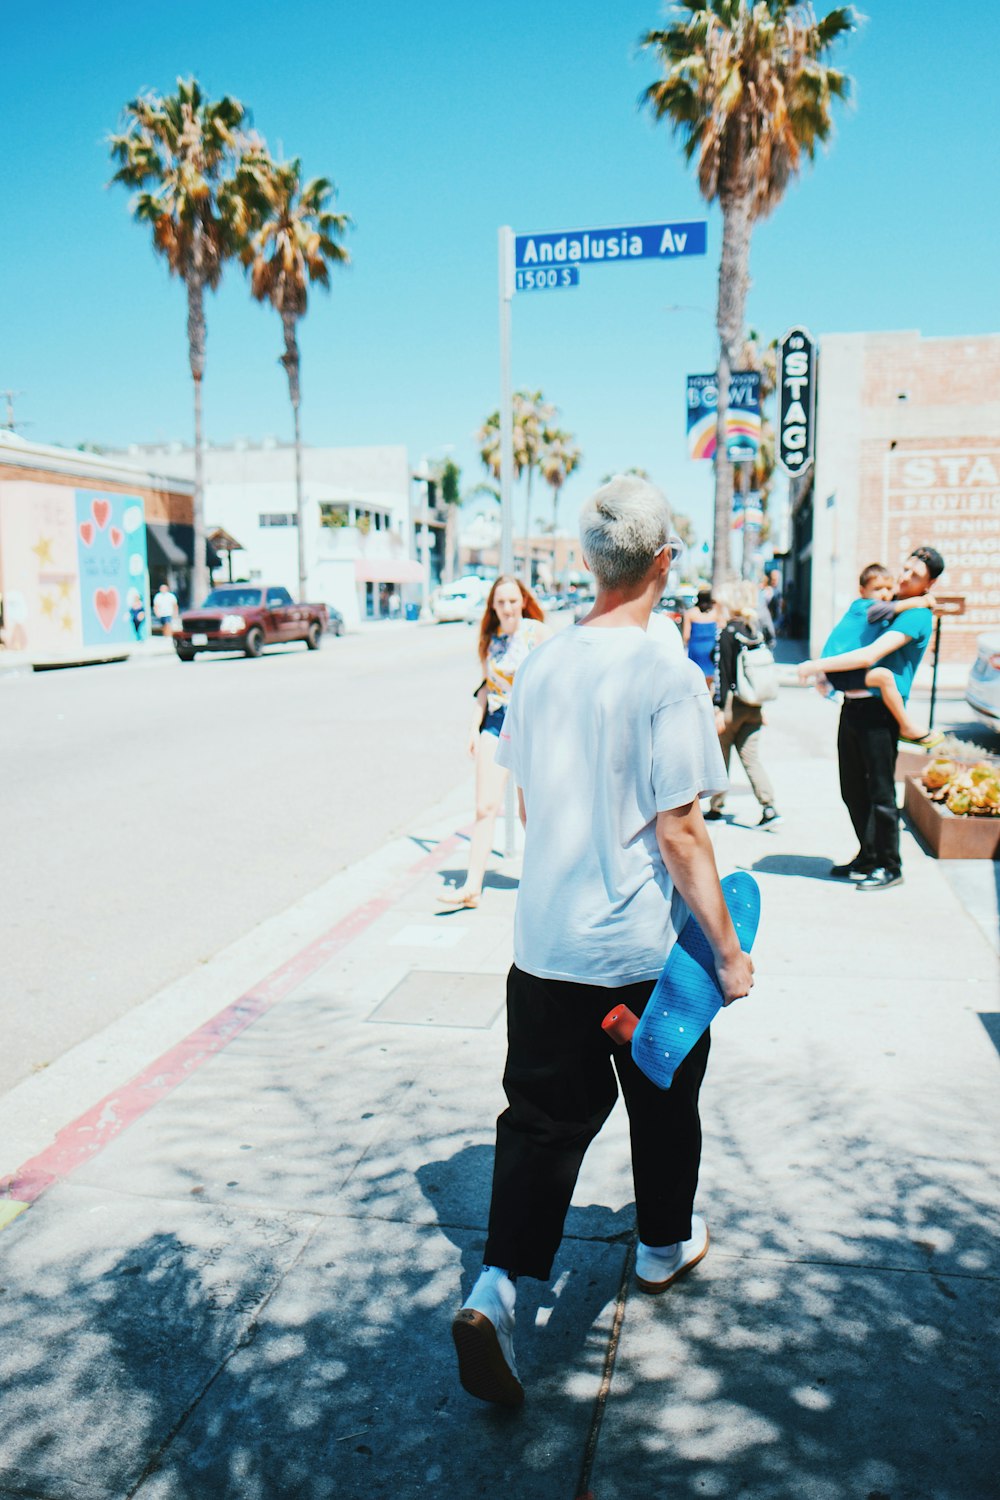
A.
x: 532, y: 414
x: 746, y: 88
x: 293, y: 240
x: 559, y: 458
x: 449, y: 479
x: 179, y: 151
x: 757, y: 474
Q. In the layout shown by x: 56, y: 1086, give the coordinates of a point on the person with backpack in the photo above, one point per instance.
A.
x: 746, y: 679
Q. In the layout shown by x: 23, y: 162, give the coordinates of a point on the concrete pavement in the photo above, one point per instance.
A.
x: 238, y: 1275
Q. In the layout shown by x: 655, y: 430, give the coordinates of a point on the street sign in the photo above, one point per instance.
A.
x: 796, y: 401
x: 742, y: 415
x: 949, y: 604
x: 546, y: 278
x: 591, y: 247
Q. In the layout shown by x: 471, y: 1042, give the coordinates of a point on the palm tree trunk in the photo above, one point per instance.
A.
x: 196, y: 356
x: 733, y: 283
x: 555, y: 527
x: 290, y: 360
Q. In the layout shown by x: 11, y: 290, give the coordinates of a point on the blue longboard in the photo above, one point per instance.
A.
x: 687, y: 994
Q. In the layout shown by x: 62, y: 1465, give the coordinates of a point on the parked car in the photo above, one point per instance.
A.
x: 675, y: 605
x: 334, y: 621
x: 247, y: 617
x: 982, y: 691
x: 465, y: 599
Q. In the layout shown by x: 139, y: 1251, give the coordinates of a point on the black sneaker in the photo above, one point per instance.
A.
x: 851, y: 871
x: 880, y: 879
x: 769, y: 818
x: 713, y: 815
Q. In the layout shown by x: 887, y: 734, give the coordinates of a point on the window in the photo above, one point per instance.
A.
x: 277, y: 597
x: 276, y: 518
x: 232, y: 597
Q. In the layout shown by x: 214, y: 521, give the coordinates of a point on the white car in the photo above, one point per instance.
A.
x: 463, y: 600
x: 982, y: 691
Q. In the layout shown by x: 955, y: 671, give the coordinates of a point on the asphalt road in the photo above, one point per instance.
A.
x: 152, y: 812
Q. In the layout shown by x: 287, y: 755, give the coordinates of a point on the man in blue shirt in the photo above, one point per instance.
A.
x: 866, y: 740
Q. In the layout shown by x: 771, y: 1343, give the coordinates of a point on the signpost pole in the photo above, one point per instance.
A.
x: 506, y: 270
x: 937, y: 653
x: 506, y: 267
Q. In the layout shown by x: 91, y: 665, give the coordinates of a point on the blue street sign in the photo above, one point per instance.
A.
x: 546, y: 278
x: 588, y: 247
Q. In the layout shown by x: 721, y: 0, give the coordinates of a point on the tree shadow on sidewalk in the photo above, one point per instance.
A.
x: 838, y: 1342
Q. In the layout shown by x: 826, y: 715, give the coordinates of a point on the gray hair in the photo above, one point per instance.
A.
x: 622, y: 527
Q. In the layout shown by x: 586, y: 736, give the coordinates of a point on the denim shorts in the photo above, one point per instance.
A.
x: 493, y: 723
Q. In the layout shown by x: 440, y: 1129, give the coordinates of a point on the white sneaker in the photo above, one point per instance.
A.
x: 656, y: 1269
x: 483, y: 1330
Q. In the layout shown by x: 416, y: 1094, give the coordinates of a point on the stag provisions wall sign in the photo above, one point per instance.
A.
x: 796, y: 401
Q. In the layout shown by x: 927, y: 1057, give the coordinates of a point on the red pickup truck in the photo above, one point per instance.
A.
x: 247, y: 617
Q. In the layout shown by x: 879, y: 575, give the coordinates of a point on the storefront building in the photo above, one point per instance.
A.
x: 83, y: 540
x: 907, y: 454
x: 358, y: 533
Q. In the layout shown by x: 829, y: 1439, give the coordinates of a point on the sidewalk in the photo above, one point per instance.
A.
x: 237, y: 1277
x: 86, y: 656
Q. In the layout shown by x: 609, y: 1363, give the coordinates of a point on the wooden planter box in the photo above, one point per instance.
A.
x: 949, y: 836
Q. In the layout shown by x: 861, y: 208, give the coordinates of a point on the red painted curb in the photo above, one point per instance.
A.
x: 88, y: 1135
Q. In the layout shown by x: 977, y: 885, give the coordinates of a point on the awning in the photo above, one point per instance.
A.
x: 387, y: 570
x: 220, y: 539
x: 172, y: 546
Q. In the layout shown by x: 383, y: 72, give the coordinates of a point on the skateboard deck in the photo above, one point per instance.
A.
x: 687, y: 994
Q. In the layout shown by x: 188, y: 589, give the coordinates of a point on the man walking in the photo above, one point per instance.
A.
x: 611, y: 741
x: 868, y: 733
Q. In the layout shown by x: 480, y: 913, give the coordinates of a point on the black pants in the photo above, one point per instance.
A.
x: 560, y: 1084
x: 866, y: 751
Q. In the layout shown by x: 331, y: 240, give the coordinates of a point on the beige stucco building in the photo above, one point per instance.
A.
x: 907, y: 452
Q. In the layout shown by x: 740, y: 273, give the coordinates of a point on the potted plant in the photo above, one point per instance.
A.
x: 912, y: 760
x: 956, y: 808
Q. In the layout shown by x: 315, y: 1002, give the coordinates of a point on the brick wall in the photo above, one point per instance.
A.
x: 923, y: 456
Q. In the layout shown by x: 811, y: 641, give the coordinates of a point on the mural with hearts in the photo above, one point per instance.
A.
x: 111, y: 549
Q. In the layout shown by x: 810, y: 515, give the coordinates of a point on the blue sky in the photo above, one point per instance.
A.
x: 438, y: 123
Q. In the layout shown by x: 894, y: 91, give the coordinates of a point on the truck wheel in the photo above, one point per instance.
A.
x: 254, y: 643
x: 313, y: 636
x: 184, y: 655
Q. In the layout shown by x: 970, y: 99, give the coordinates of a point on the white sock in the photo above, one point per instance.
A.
x: 503, y: 1283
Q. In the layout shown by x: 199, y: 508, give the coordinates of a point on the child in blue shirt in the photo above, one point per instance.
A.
x: 868, y: 617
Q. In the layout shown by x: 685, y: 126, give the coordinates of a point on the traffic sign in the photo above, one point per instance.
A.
x: 591, y: 247
x: 546, y: 278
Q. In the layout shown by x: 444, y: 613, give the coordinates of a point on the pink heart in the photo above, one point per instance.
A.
x: 116, y: 536
x: 87, y: 532
x: 100, y: 510
x: 106, y: 605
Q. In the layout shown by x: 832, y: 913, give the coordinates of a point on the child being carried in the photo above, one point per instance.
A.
x: 876, y: 608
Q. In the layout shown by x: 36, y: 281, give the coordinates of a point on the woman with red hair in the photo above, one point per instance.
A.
x: 512, y: 626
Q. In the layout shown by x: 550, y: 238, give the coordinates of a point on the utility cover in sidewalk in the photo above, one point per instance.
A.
x: 431, y: 998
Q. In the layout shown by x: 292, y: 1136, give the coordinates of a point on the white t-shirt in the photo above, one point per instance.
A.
x: 164, y: 605
x: 605, y: 729
x: 662, y: 628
